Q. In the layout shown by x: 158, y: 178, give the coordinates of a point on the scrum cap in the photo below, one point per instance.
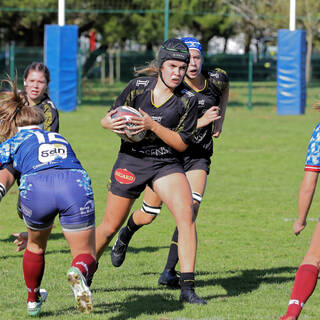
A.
x: 192, y: 43
x: 173, y: 49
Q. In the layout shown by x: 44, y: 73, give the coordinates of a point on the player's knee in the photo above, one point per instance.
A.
x: 312, y: 257
x: 148, y: 218
x: 150, y: 212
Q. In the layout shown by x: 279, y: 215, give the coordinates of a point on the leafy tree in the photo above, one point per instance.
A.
x: 257, y: 19
x: 310, y: 19
x: 25, y: 26
x: 202, y: 18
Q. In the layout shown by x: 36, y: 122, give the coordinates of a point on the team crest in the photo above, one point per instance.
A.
x: 142, y: 82
x: 187, y: 92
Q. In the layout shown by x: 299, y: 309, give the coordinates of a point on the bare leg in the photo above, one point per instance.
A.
x: 116, y: 213
x: 180, y: 206
x: 81, y: 242
x: 140, y: 217
x: 306, y: 278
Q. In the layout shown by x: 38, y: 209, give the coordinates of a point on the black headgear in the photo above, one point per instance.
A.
x: 173, y: 49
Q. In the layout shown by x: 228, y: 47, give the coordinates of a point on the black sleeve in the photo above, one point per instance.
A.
x: 126, y: 96
x: 189, y: 124
x: 219, y: 78
x: 55, y: 121
x: 51, y: 114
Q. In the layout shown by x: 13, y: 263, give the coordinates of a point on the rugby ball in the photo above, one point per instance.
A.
x: 128, y: 113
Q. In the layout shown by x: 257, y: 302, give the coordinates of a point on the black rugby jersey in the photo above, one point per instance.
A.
x: 216, y: 81
x: 178, y: 113
x: 51, y: 122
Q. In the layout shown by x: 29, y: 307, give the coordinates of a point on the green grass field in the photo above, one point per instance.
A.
x: 247, y: 253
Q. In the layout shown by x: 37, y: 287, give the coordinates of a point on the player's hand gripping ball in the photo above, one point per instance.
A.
x: 128, y: 113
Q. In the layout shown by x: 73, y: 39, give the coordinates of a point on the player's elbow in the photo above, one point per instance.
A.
x: 181, y: 147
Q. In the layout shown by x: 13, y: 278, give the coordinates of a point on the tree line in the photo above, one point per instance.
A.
x: 117, y: 21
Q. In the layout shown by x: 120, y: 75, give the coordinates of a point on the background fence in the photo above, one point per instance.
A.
x: 119, y: 65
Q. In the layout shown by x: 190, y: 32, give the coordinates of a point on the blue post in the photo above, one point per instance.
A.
x: 291, y: 74
x: 61, y: 48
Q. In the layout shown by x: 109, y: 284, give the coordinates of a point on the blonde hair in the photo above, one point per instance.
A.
x: 15, y: 112
x: 150, y: 70
x: 316, y: 105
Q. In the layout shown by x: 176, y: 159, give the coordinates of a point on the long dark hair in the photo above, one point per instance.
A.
x: 15, y: 112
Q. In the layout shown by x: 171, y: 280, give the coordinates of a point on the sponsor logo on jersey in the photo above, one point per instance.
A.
x: 201, y: 102
x: 87, y: 209
x: 158, y: 118
x: 124, y: 176
x: 157, y: 152
x: 198, y: 136
x: 142, y: 82
x: 50, y: 152
x: 187, y: 92
x: 213, y: 74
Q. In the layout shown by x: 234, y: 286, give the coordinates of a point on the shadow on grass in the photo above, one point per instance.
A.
x: 247, y: 281
x: 133, y: 250
x: 136, y: 305
x: 53, y: 236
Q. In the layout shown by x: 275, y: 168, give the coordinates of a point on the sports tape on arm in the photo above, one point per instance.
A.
x: 2, y: 191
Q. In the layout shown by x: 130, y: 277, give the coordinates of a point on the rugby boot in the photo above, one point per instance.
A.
x: 119, y: 250
x: 81, y: 291
x: 34, y: 308
x: 169, y: 278
x: 189, y: 296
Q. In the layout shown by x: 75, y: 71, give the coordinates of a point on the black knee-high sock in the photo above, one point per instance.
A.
x: 172, y: 259
x: 129, y: 230
x: 187, y: 280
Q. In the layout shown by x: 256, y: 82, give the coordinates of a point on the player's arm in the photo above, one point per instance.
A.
x: 170, y: 137
x: 115, y: 124
x: 306, y: 192
x: 209, y: 116
x: 7, y: 180
x: 223, y: 106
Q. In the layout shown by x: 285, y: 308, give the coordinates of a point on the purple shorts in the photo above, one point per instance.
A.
x: 66, y: 192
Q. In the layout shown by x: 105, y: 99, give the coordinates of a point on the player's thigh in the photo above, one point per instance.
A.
x: 151, y: 198
x: 174, y: 190
x: 82, y: 241
x: 197, y: 180
x: 117, y: 210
